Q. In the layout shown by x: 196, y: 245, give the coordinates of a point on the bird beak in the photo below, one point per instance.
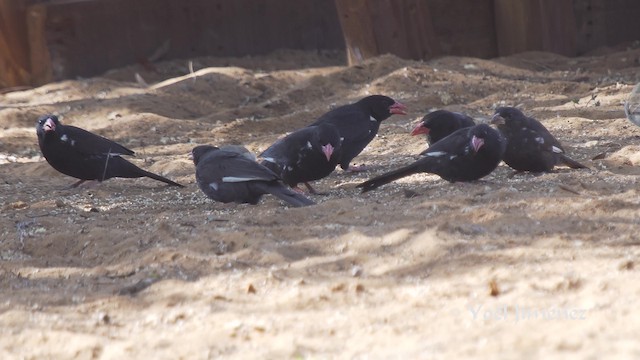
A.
x: 327, y: 150
x: 190, y: 155
x: 420, y: 129
x: 476, y: 143
x: 398, y: 108
x: 497, y: 120
x: 49, y: 125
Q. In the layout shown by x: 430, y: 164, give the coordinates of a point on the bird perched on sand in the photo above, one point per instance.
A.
x: 358, y: 124
x: 228, y: 176
x: 305, y: 155
x: 466, y: 155
x: 440, y: 124
x: 530, y: 146
x: 84, y: 155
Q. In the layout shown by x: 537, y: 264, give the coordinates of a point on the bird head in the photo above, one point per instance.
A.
x: 199, y: 151
x: 382, y: 107
x: 327, y: 150
x: 47, y: 124
x: 421, y: 128
x: 476, y: 143
x: 506, y: 116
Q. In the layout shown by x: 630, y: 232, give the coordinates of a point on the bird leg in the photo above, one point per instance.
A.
x: 90, y: 184
x: 518, y: 173
x: 356, y: 168
x: 75, y: 184
x: 313, y: 191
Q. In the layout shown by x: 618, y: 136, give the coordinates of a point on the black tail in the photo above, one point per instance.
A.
x: 159, y: 178
x: 386, y: 178
x: 284, y: 193
x: 571, y: 163
x: 120, y: 167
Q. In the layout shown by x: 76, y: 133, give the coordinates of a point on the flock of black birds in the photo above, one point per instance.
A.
x: 459, y: 150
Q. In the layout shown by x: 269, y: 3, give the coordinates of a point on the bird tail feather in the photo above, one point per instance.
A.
x: 284, y: 193
x: 571, y: 163
x: 386, y: 178
x: 160, y: 178
x: 130, y: 170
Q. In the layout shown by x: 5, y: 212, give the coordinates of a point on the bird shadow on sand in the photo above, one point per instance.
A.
x: 394, y: 238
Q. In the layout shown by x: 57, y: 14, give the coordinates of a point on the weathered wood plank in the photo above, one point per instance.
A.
x: 465, y: 28
x: 14, y: 48
x: 400, y: 27
x: 86, y: 37
x: 525, y: 25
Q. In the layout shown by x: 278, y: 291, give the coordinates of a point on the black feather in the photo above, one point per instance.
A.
x: 453, y: 158
x: 530, y: 146
x: 358, y: 123
x: 85, y: 155
x: 440, y: 124
x: 300, y: 157
x: 228, y: 176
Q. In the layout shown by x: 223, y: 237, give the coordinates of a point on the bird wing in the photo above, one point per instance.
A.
x: 227, y: 166
x: 456, y: 144
x: 282, y: 151
x: 89, y: 143
x: 543, y: 137
x: 289, y: 150
x: 352, y: 123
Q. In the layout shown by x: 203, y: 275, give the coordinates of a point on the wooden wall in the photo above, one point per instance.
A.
x: 484, y: 28
x: 69, y: 38
x: 601, y: 23
x: 49, y: 40
x: 417, y: 29
x: 547, y: 25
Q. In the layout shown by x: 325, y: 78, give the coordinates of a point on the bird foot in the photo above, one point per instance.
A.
x: 297, y: 189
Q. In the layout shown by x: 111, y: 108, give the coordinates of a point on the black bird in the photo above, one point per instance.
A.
x: 305, y: 155
x: 358, y: 124
x: 440, y: 124
x: 84, y: 155
x: 530, y: 146
x: 466, y: 155
x: 228, y: 176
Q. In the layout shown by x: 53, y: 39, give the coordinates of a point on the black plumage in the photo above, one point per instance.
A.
x: 84, y: 155
x: 305, y: 155
x: 358, y: 124
x: 227, y: 176
x: 439, y: 124
x: 466, y: 155
x: 530, y: 146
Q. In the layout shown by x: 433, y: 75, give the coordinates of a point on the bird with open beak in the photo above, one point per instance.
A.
x: 84, y: 155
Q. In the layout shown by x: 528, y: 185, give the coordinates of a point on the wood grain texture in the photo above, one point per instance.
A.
x: 526, y: 25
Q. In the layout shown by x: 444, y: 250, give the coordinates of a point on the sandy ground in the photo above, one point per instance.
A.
x: 529, y: 266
